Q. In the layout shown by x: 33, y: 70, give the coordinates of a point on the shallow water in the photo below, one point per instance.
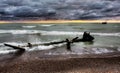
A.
x: 107, y: 37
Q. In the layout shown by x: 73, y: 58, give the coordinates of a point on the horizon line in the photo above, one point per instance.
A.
x: 58, y: 21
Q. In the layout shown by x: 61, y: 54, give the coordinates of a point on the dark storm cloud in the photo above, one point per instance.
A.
x: 59, y: 9
x: 26, y: 11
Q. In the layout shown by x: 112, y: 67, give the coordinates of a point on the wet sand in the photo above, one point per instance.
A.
x: 36, y: 62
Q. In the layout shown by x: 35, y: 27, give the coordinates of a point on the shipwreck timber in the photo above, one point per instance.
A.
x: 86, y: 38
x: 15, y: 47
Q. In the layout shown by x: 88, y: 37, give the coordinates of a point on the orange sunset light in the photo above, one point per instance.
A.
x: 61, y: 21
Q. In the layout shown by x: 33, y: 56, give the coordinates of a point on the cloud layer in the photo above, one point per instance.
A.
x: 58, y: 9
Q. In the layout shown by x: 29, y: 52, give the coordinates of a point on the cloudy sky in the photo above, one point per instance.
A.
x: 58, y: 9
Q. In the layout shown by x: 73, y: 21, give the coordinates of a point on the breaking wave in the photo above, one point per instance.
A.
x: 6, y: 50
x: 55, y: 32
x: 83, y: 51
x: 28, y: 26
x: 79, y: 51
x: 46, y: 25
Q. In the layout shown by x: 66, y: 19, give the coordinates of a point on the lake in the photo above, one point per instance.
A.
x: 107, y: 37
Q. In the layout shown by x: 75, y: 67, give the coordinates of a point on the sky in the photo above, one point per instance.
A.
x: 58, y: 9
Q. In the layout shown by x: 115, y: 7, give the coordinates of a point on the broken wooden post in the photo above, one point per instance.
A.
x: 74, y: 39
x: 29, y: 45
x: 68, y: 44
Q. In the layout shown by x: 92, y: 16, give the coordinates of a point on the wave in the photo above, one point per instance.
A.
x: 55, y: 32
x: 84, y: 51
x: 28, y: 26
x: 78, y: 33
x: 76, y: 50
x: 19, y: 31
x: 46, y: 25
x: 101, y: 50
x: 6, y: 50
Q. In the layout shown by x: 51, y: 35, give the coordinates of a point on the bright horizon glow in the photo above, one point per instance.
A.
x: 60, y: 21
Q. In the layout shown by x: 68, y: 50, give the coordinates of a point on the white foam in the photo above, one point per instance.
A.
x: 19, y: 31
x: 28, y: 26
x: 1, y: 44
x: 62, y: 53
x: 106, y: 34
x: 55, y: 32
x: 43, y: 47
x: 7, y: 51
x: 62, y: 33
x: 101, y: 50
x: 46, y: 25
x: 40, y: 48
x: 77, y: 33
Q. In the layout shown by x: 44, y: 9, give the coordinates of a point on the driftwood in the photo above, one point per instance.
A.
x: 46, y: 44
x: 15, y: 47
x: 68, y: 44
x: 86, y: 38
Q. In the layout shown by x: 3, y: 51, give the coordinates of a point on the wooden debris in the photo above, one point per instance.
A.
x: 86, y: 38
x: 15, y: 47
x: 68, y: 44
x: 29, y: 45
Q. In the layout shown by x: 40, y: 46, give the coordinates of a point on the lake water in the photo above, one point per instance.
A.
x: 107, y: 37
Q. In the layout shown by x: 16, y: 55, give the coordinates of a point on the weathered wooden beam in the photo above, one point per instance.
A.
x: 51, y: 43
x: 68, y: 44
x: 86, y: 38
x: 15, y: 47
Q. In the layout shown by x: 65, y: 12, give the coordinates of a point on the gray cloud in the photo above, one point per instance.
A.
x: 59, y: 9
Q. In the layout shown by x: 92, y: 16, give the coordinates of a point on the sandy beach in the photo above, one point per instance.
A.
x: 36, y: 62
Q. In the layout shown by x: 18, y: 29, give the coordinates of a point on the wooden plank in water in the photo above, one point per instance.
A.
x: 15, y: 47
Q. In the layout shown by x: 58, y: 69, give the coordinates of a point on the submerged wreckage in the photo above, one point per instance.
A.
x: 86, y: 38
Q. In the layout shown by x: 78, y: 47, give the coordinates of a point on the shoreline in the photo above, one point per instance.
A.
x: 37, y: 62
